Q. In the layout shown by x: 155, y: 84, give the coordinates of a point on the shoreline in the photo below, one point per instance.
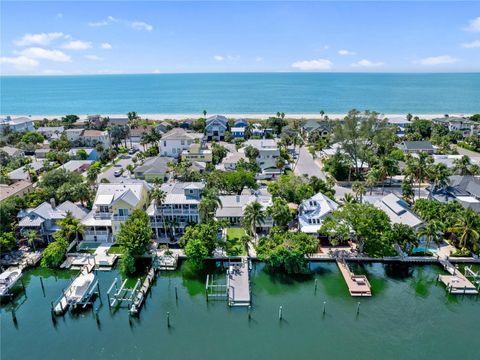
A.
x: 254, y: 116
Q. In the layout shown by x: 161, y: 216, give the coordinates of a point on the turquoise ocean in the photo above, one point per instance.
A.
x: 394, y: 93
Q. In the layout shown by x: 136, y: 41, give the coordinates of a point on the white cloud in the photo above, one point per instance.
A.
x: 313, y: 65
x: 77, y: 45
x: 437, y: 60
x: 106, y: 46
x: 39, y: 39
x: 140, y: 25
x: 136, y: 25
x: 92, y: 57
x: 345, y: 52
x: 473, y: 25
x: 53, y: 72
x: 259, y: 59
x: 19, y: 62
x: 472, y: 45
x: 218, y: 58
x: 59, y: 16
x: 40, y: 53
x: 367, y: 64
x: 156, y: 71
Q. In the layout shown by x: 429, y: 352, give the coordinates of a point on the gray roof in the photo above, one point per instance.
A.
x: 11, y: 151
x: 234, y: 205
x: 21, y: 174
x: 417, y: 145
x: 155, y: 165
x: 180, y: 134
x: 46, y: 211
x: 398, y: 211
x: 74, y: 165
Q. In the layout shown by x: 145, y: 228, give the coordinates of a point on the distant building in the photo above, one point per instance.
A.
x: 51, y: 132
x: 401, y: 124
x: 88, y: 138
x: 18, y: 188
x: 153, y: 168
x: 465, y: 126
x: 464, y: 189
x: 241, y: 123
x: 122, y: 121
x: 136, y: 134
x: 313, y: 211
x: 268, y: 155
x: 238, y: 132
x: 196, y: 153
x: 416, y: 147
x: 311, y: 127
x: 229, y: 163
x: 92, y: 153
x: 12, y: 151
x: 113, y: 205
x: 44, y: 218
x: 179, y: 209
x: 174, y: 142
x: 18, y: 124
x: 163, y: 127
x: 78, y: 166
x: 21, y: 174
x: 399, y: 211
x: 215, y: 128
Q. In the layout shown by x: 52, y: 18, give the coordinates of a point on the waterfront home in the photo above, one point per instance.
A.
x: 174, y: 142
x: 92, y: 153
x: 400, y: 123
x: 179, y: 209
x: 233, y: 208
x: 45, y: 217
x: 88, y: 138
x: 229, y: 162
x: 78, y: 166
x: 196, y: 153
x: 268, y: 153
x: 399, y: 211
x: 185, y: 124
x: 238, y: 132
x: 22, y: 174
x: 51, y: 132
x: 94, y: 121
x: 122, y: 121
x: 12, y: 151
x: 19, y: 124
x: 18, y: 188
x: 464, y: 189
x: 163, y: 127
x: 112, y: 206
x: 215, y: 128
x: 416, y: 147
x: 464, y: 126
x: 136, y: 134
x: 449, y: 160
x: 154, y: 168
x: 312, y: 127
x: 313, y: 211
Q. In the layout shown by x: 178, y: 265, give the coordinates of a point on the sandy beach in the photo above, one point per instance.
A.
x: 161, y: 117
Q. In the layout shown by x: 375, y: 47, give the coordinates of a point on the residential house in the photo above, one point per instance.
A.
x: 268, y: 155
x: 73, y: 135
x: 399, y: 211
x: 179, y: 209
x: 78, y: 166
x: 21, y: 174
x: 88, y: 138
x: 238, y: 132
x: 311, y: 127
x: 122, y: 121
x: 18, y: 188
x: 463, y: 125
x: 233, y: 208
x: 313, y: 211
x: 92, y: 153
x: 464, y: 189
x: 45, y: 217
x: 241, y: 123
x: 95, y: 121
x: 215, y: 128
x: 154, y: 168
x: 51, y: 132
x: 112, y: 206
x: 42, y: 153
x: 229, y: 162
x: 257, y: 130
x: 185, y: 124
x: 174, y: 142
x: 12, y: 151
x: 449, y: 160
x: 163, y: 127
x: 196, y: 153
x: 19, y: 124
x: 401, y: 124
x: 416, y: 147
x: 136, y: 134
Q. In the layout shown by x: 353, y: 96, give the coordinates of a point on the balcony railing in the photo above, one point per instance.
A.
x: 97, y: 233
x: 102, y: 215
x: 120, y: 217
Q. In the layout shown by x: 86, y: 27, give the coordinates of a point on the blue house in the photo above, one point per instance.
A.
x: 92, y: 153
x: 238, y: 132
x: 241, y: 123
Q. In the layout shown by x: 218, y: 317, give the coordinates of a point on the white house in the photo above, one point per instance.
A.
x: 311, y: 212
x: 51, y: 132
x: 174, y: 142
x: 19, y: 124
x: 268, y: 154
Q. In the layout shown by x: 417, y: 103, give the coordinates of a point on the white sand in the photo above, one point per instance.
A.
x: 247, y: 116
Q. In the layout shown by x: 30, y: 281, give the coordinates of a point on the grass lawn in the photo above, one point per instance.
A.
x: 234, y: 246
x: 115, y: 249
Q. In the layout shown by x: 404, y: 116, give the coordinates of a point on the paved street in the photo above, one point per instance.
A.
x: 307, y: 165
x: 109, y: 174
x: 340, y: 191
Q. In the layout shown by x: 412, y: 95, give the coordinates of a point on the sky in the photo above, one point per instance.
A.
x: 75, y: 38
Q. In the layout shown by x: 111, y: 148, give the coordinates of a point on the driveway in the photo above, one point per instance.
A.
x: 121, y: 164
x: 306, y: 165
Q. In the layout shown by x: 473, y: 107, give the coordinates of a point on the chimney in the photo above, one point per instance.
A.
x: 52, y: 203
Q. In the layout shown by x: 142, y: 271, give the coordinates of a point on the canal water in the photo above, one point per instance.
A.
x: 410, y: 316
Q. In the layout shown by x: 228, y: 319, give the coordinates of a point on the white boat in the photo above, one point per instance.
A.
x: 8, y: 279
x: 79, y: 288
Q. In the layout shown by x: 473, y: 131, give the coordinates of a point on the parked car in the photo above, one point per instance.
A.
x: 132, y: 151
x: 118, y: 172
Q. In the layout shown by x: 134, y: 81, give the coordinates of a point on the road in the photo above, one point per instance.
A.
x: 470, y: 153
x: 340, y: 191
x: 122, y: 163
x: 306, y: 165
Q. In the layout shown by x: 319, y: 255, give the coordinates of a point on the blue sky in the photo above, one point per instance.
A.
x: 169, y: 37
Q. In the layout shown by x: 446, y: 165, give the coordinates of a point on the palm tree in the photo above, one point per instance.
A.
x: 359, y: 189
x: 31, y: 235
x: 462, y: 165
x: 373, y: 176
x: 28, y: 169
x: 246, y: 241
x: 209, y: 204
x: 71, y: 228
x: 253, y: 216
x: 348, y: 199
x: 431, y: 232
x: 205, y: 113
x: 159, y: 196
x: 93, y: 173
x: 439, y: 176
x: 468, y: 227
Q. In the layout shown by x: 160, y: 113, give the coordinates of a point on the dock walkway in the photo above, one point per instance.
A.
x: 142, y: 293
x: 456, y: 282
x: 358, y: 285
x: 238, y: 283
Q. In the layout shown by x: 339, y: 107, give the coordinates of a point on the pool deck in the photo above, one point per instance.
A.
x: 358, y: 285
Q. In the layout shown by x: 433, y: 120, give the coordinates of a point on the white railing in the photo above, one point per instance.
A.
x: 102, y: 215
x: 120, y: 217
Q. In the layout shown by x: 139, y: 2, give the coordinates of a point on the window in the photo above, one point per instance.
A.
x: 183, y: 142
x: 164, y: 143
x: 103, y: 209
x: 123, y: 212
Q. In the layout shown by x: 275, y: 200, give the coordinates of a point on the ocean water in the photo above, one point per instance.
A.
x: 241, y: 93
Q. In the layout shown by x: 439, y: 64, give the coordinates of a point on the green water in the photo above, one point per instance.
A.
x: 410, y: 316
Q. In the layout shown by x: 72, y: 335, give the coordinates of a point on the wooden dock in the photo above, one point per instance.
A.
x: 358, y: 285
x: 456, y: 282
x: 238, y: 283
x: 139, y: 297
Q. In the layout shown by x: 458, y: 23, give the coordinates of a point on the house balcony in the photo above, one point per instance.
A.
x: 120, y: 217
x: 102, y: 215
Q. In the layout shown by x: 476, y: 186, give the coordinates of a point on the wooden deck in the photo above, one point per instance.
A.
x: 456, y: 282
x: 358, y: 285
x: 238, y: 283
x: 142, y: 293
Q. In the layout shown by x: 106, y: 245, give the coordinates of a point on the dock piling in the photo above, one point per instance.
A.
x: 280, y: 313
x: 14, y: 316
x: 324, y: 307
x: 358, y: 307
x: 249, y: 312
x: 316, y: 280
x: 43, y: 288
x: 168, y: 319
